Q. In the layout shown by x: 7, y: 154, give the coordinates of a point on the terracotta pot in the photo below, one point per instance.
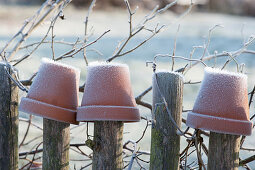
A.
x: 222, y: 104
x: 108, y: 95
x: 53, y: 93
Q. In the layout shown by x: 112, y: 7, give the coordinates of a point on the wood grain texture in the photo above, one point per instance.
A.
x: 107, y: 151
x: 165, y: 143
x: 223, y: 151
x: 9, y: 121
x: 56, y: 144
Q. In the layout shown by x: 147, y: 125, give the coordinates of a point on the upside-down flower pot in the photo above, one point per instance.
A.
x: 53, y: 93
x: 222, y: 104
x: 108, y: 95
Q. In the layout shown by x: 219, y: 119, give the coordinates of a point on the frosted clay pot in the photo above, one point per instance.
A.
x: 53, y: 93
x: 108, y: 95
x: 222, y: 104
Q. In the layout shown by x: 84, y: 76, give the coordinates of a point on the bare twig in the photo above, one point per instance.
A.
x: 179, y: 57
x: 54, y: 19
x: 147, y: 124
x: 93, y: 3
x: 209, y: 39
x: 133, y: 30
x: 47, y: 8
x: 199, y: 156
x: 34, y: 155
x: 26, y: 133
x: 133, y: 155
x: 74, y: 52
x: 28, y: 121
x: 247, y: 160
x: 175, y: 40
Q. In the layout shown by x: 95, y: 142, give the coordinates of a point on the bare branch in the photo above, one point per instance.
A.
x: 247, y: 160
x: 81, y: 48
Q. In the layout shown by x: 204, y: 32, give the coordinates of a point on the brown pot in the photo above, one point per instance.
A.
x: 222, y: 104
x: 108, y: 95
x: 53, y: 93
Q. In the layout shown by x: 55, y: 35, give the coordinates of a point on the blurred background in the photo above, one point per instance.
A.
x: 237, y: 7
x: 236, y: 17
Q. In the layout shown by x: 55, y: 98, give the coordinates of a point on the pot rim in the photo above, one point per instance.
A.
x: 93, y: 113
x: 220, y: 125
x: 48, y: 111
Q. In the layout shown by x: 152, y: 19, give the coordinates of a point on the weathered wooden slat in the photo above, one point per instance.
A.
x: 9, y: 120
x: 56, y: 144
x: 107, y: 149
x: 165, y: 143
x: 223, y: 151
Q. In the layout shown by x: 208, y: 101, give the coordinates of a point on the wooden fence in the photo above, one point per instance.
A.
x: 107, y: 148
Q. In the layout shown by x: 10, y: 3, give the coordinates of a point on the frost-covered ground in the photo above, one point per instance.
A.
x: 193, y: 31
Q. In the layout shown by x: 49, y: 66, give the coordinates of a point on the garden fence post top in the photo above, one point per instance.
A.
x: 53, y: 93
x: 222, y: 104
x: 108, y: 94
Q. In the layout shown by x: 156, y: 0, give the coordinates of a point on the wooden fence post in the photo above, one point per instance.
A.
x: 56, y: 143
x: 107, y: 151
x: 165, y: 143
x: 223, y: 151
x: 9, y: 120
